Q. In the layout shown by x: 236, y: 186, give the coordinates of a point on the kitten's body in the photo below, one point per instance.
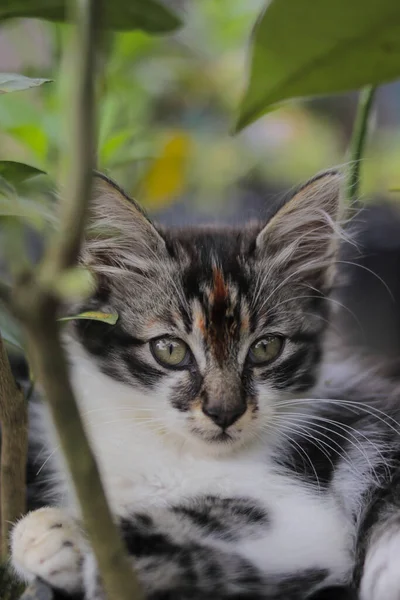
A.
x: 280, y: 502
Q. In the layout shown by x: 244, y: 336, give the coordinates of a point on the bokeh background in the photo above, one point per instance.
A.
x: 167, y: 106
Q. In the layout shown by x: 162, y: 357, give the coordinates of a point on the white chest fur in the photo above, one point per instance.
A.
x: 141, y: 468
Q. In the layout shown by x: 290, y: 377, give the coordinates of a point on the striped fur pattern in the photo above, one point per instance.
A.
x: 231, y: 479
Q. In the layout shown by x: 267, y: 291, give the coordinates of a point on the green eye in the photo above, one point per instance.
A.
x: 170, y: 352
x: 265, y: 350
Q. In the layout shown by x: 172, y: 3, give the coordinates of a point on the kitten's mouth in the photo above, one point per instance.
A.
x: 220, y: 437
x: 223, y: 436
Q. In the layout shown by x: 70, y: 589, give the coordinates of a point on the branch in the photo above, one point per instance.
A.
x: 358, y: 139
x: 14, y: 449
x: 48, y: 360
x: 81, y: 124
x: 37, y: 307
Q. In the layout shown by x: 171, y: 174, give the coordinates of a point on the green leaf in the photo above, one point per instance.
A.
x: 6, y: 189
x: 16, y: 172
x: 10, y: 331
x: 109, y: 318
x: 33, y: 137
x: 119, y: 15
x: 304, y: 48
x: 13, y: 82
x: 24, y: 211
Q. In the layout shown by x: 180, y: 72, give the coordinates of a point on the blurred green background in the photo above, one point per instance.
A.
x: 166, y: 110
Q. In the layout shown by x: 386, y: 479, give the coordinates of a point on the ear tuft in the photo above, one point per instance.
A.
x: 118, y: 232
x: 303, y: 235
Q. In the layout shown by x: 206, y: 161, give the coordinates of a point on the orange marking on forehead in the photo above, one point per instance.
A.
x: 245, y: 323
x: 220, y: 290
x: 199, y: 320
x: 219, y: 316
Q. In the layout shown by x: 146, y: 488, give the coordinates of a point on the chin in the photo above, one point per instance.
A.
x: 221, y: 442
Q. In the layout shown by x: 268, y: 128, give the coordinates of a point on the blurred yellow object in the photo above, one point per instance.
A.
x: 165, y: 179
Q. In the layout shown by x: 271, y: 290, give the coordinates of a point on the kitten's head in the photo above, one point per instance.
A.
x: 216, y: 326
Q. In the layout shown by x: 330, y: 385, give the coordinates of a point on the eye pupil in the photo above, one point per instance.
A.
x: 265, y: 350
x: 170, y: 352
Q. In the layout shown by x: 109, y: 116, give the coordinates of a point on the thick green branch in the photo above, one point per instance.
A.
x: 81, y: 149
x: 37, y: 308
x: 358, y: 140
x: 48, y: 359
x: 14, y: 448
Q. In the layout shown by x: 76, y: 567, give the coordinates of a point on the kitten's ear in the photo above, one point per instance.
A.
x: 303, y: 235
x: 118, y: 230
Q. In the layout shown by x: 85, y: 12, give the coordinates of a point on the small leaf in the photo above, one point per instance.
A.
x: 304, y: 48
x: 75, y: 283
x: 13, y: 82
x: 165, y: 179
x: 109, y: 318
x: 10, y: 331
x: 119, y: 15
x: 25, y: 211
x: 16, y: 172
x: 6, y: 189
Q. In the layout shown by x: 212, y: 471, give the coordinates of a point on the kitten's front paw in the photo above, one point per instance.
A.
x: 48, y: 543
x: 381, y: 577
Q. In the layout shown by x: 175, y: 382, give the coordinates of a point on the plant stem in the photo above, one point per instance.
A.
x: 14, y: 449
x: 358, y: 139
x: 48, y: 360
x: 81, y: 148
x: 37, y: 307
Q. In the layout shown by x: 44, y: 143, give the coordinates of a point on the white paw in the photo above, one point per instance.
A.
x: 381, y: 577
x: 48, y: 543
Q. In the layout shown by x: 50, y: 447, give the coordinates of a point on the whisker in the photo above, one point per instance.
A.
x: 308, y: 435
x: 349, y: 405
x: 383, y: 282
x: 119, y: 409
x: 47, y: 460
x: 341, y: 452
x: 297, y: 445
x: 356, y: 444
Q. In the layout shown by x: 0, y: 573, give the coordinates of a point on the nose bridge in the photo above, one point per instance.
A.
x: 223, y: 388
x: 223, y: 399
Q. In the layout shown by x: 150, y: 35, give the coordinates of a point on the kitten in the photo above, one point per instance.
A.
x: 240, y: 463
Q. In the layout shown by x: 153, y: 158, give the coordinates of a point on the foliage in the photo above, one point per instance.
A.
x: 304, y: 48
x: 16, y: 172
x: 12, y: 82
x: 109, y: 318
x: 119, y: 15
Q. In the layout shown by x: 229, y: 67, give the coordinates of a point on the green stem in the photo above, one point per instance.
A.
x: 358, y: 139
x: 37, y: 306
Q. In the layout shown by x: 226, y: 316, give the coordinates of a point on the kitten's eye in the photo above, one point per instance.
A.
x: 265, y: 350
x: 170, y: 352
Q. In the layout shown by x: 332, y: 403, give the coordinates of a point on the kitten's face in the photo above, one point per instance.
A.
x: 217, y: 327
